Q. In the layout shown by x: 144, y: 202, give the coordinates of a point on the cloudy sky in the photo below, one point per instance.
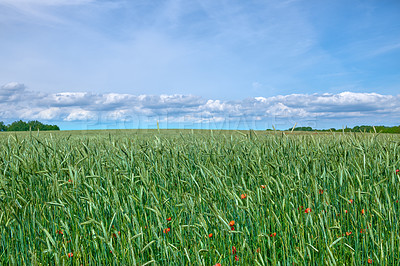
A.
x: 86, y: 64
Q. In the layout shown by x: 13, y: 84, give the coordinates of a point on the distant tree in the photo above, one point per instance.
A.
x: 35, y: 125
x: 383, y: 129
x: 32, y: 125
x: 18, y: 126
x: 51, y: 127
x: 368, y: 129
x: 363, y: 129
x: 303, y: 129
x: 2, y: 126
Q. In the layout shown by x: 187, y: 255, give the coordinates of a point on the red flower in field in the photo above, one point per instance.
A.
x: 369, y: 261
x: 236, y: 258
x: 258, y: 250
x: 361, y: 231
x: 233, y: 250
x: 60, y: 232
x: 348, y: 233
x: 119, y: 232
x: 210, y: 235
x: 308, y: 210
x: 351, y: 201
x: 262, y: 186
x: 345, y: 211
x: 232, y: 228
x: 169, y: 219
x: 69, y: 180
x: 397, y: 171
x: 114, y: 235
x: 321, y: 191
x: 362, y: 211
x: 218, y: 264
x: 166, y: 230
x: 70, y: 254
x: 243, y: 196
x: 273, y: 235
x: 231, y: 223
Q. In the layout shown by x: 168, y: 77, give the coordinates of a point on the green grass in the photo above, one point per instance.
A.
x: 111, y: 192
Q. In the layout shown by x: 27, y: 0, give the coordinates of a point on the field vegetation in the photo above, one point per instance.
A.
x: 199, y: 198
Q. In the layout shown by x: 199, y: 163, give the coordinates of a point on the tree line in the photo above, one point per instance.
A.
x: 368, y: 129
x: 26, y: 126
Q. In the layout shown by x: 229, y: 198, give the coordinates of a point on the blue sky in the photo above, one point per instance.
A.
x: 200, y: 63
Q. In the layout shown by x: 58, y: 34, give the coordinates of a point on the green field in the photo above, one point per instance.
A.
x: 105, y: 197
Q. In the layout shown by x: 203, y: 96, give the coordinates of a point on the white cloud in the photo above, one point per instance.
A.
x: 80, y: 115
x: 18, y: 102
x: 256, y: 85
x: 385, y: 49
x: 10, y: 90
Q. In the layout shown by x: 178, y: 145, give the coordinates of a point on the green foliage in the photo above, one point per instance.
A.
x: 105, y: 197
x: 367, y: 129
x: 26, y: 126
x: 2, y: 126
x: 303, y: 129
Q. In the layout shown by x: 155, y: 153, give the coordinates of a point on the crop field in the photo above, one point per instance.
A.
x: 199, y: 198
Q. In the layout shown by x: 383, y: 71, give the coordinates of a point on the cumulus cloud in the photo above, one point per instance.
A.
x: 10, y: 91
x: 18, y: 102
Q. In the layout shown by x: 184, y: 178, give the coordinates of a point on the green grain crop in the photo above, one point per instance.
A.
x: 105, y: 197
